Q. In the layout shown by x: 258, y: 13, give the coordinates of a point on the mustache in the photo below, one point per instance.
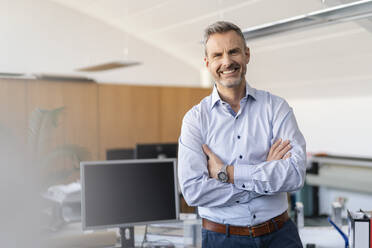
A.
x: 232, y: 66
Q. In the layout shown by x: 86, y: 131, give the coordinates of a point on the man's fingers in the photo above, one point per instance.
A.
x: 206, y: 150
x: 284, y: 151
x: 288, y: 155
x: 283, y: 145
x: 279, y: 150
x: 276, y: 144
x: 280, y: 147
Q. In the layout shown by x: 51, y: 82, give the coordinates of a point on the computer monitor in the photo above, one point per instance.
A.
x: 120, y: 153
x: 124, y: 193
x: 161, y: 150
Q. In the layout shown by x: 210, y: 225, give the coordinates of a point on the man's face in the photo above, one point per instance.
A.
x: 227, y: 58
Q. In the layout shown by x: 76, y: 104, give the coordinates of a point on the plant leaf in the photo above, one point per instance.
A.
x: 78, y: 154
x: 41, y: 124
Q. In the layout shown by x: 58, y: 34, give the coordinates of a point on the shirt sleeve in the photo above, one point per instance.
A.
x: 280, y: 175
x: 197, y: 187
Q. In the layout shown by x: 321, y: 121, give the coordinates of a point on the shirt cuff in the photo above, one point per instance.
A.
x: 242, y: 177
x: 244, y: 197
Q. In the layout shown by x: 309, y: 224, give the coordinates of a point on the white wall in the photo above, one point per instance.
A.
x: 40, y: 36
x: 335, y: 116
x: 336, y: 125
x: 339, y: 124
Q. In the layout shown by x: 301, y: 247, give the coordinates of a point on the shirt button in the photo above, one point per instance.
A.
x: 238, y: 136
x: 243, y: 186
x: 237, y: 117
x: 240, y: 156
x: 254, y: 216
x: 237, y: 201
x: 265, y: 191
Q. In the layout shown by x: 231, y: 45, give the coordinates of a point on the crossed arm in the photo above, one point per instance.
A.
x: 283, y: 171
x: 279, y: 150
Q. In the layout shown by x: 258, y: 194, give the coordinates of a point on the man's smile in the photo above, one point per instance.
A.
x: 229, y: 71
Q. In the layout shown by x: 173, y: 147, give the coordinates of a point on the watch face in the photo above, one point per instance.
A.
x: 222, y: 176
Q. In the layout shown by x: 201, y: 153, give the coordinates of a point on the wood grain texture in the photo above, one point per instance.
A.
x: 100, y: 116
x: 127, y: 115
x: 175, y: 102
x: 81, y: 123
x: 13, y: 114
x: 146, y: 114
x: 78, y: 125
x: 47, y: 95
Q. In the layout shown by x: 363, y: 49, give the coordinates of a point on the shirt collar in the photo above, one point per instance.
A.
x: 249, y: 91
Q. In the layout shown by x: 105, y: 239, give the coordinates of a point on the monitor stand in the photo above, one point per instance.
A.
x: 127, y: 237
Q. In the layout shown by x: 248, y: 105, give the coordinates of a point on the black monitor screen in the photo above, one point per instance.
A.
x: 127, y: 192
x: 117, y: 154
x: 168, y: 150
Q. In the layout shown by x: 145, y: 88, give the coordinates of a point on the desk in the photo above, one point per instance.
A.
x: 322, y: 236
x: 73, y: 236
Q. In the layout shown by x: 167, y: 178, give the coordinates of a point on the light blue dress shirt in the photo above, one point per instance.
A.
x: 243, y: 140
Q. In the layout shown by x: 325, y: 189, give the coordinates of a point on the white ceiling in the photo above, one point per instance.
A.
x: 331, y: 54
x: 177, y: 26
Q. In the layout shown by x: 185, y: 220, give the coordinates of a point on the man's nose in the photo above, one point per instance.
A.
x: 226, y: 60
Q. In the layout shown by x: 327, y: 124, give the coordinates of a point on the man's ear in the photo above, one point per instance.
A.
x: 206, y: 62
x: 247, y: 54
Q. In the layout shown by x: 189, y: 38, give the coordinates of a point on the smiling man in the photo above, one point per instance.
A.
x: 240, y: 152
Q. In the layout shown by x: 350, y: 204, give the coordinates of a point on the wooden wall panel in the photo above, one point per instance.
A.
x: 78, y: 124
x: 13, y: 114
x: 197, y: 94
x: 127, y: 115
x: 146, y: 114
x: 81, y: 125
x: 46, y: 95
x: 175, y: 102
x: 100, y: 116
x: 114, y: 117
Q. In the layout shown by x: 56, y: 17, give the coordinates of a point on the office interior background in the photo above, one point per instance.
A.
x: 323, y: 72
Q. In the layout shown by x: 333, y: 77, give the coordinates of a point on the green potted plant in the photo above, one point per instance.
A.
x: 43, y: 155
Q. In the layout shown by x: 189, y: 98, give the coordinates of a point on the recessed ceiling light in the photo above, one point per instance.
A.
x: 108, y: 66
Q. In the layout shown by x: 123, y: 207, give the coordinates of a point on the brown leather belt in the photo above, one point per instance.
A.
x: 254, y: 231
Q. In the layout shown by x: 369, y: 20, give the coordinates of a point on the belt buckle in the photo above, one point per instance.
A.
x: 250, y: 230
x: 268, y: 227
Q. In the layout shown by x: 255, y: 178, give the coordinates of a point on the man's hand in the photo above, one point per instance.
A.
x: 214, y: 162
x: 279, y: 150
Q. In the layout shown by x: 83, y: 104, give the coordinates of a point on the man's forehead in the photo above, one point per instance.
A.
x: 225, y: 40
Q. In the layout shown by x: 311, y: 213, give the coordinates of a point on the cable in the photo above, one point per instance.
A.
x: 144, y: 236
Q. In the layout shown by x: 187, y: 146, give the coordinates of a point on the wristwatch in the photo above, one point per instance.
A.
x: 222, y: 174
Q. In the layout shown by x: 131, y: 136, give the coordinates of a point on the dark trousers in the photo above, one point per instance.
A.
x: 285, y: 237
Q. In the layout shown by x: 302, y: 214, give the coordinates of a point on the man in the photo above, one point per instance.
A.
x: 240, y: 152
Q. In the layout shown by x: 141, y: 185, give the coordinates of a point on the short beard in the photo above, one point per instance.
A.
x: 231, y: 85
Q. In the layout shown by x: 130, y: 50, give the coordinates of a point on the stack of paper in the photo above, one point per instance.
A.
x: 64, y: 193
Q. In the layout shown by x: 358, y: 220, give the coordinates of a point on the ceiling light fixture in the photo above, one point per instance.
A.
x: 108, y: 66
x: 122, y: 62
x: 342, y: 13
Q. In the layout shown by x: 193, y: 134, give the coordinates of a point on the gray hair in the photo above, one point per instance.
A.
x: 221, y: 27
